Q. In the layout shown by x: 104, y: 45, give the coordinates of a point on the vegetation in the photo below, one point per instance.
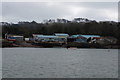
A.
x: 76, y: 26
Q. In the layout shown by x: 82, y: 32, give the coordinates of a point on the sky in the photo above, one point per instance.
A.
x: 39, y: 11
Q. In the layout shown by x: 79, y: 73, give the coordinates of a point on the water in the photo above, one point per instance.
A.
x: 0, y: 63
x: 59, y: 63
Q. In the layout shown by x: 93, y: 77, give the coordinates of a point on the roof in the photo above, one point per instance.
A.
x: 61, y: 34
x: 74, y: 36
x: 39, y: 35
x: 10, y: 35
x: 16, y: 36
x: 47, y: 36
x: 87, y: 36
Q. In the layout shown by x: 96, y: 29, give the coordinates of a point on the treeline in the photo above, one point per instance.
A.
x: 77, y: 26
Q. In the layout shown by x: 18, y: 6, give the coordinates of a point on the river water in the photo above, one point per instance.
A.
x: 59, y: 63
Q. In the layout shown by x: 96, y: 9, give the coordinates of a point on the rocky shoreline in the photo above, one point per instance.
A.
x: 51, y: 45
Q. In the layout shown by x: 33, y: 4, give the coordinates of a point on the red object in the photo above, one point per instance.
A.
x: 11, y: 39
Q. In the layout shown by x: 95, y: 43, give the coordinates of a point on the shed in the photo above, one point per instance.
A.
x: 61, y: 35
x: 92, y: 38
x: 77, y: 38
x: 46, y: 38
x: 15, y: 38
x: 27, y: 39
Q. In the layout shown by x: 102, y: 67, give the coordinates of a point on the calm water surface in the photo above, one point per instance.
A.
x: 59, y: 63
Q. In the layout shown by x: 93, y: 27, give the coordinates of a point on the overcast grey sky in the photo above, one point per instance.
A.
x: 39, y: 11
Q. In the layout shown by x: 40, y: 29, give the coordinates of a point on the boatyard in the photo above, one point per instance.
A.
x: 60, y: 40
